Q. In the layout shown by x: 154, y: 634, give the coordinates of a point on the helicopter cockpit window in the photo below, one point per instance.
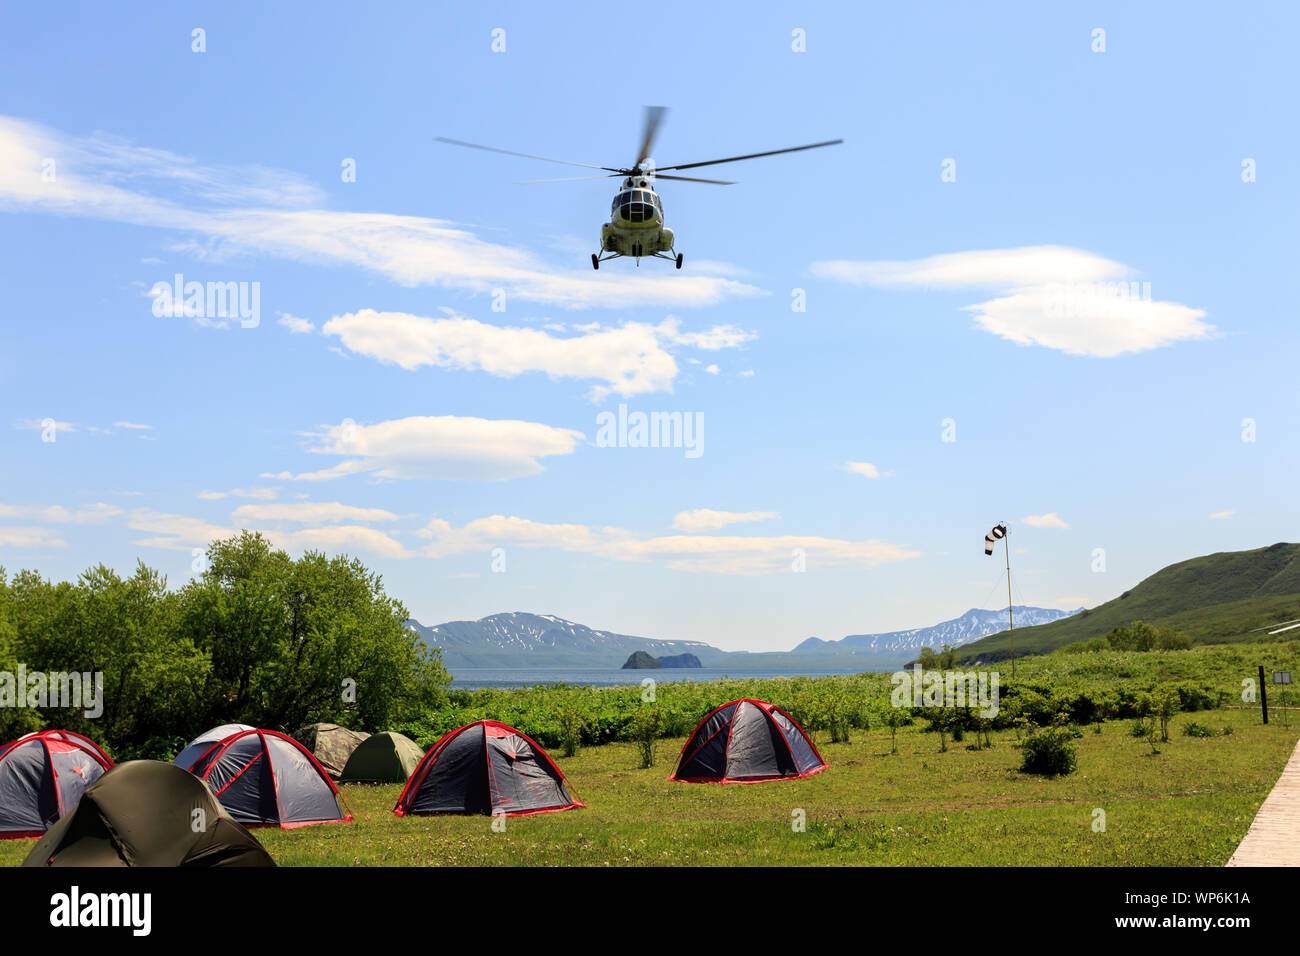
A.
x: 637, y: 205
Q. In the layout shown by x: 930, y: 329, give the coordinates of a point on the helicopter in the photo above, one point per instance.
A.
x: 636, y: 218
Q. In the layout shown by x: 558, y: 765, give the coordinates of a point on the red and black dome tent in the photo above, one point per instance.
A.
x: 747, y: 741
x: 42, y: 777
x: 485, y: 767
x: 264, y: 778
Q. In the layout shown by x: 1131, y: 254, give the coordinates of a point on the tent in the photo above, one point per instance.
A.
x: 747, y: 741
x: 42, y: 776
x: 331, y: 745
x: 201, y: 744
x: 383, y: 758
x: 485, y: 767
x: 147, y: 813
x: 265, y: 778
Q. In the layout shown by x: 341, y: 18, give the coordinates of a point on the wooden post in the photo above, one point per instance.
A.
x: 1263, y: 692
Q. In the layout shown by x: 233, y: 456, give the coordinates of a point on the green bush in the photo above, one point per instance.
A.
x: 1049, y: 752
x: 644, y: 728
x: 1193, y: 729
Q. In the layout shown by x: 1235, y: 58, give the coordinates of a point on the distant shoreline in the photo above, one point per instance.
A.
x: 478, y: 678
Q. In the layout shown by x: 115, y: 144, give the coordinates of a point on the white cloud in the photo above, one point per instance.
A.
x: 310, y: 512
x: 233, y: 210
x: 706, y: 519
x: 259, y: 494
x: 132, y: 425
x: 864, y: 468
x: 1049, y: 520
x: 443, y: 447
x: 716, y: 554
x: 1220, y: 515
x: 710, y: 340
x: 57, y: 514
x: 30, y: 538
x: 295, y: 325
x: 183, y: 533
x: 748, y: 373
x: 1054, y: 296
x: 39, y: 424
x: 712, y: 369
x: 630, y: 359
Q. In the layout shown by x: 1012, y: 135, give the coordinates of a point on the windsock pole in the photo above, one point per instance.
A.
x: 1011, y: 624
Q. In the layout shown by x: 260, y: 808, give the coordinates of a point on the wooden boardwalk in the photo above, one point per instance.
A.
x: 1274, y: 837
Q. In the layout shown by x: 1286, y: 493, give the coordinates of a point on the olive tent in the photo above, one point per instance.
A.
x: 747, y: 741
x: 383, y: 758
x: 42, y: 777
x: 264, y: 778
x: 331, y: 745
x: 201, y: 744
x: 147, y: 813
x: 485, y: 767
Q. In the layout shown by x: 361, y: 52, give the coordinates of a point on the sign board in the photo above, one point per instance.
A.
x: 1281, y: 677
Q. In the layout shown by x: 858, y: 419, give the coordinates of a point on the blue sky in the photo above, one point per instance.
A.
x: 381, y: 406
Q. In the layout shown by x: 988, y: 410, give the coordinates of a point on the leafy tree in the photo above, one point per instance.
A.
x: 295, y: 642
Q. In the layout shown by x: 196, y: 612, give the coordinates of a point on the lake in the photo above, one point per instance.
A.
x: 477, y: 678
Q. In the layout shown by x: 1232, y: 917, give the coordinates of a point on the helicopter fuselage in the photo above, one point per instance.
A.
x: 636, y: 221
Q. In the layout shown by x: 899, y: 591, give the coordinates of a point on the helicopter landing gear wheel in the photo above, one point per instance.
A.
x: 595, y: 261
x: 679, y: 260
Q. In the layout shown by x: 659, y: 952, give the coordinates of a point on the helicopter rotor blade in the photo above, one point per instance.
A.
x: 654, y: 115
x: 692, y: 179
x: 567, y: 179
x: 510, y: 152
x: 770, y: 152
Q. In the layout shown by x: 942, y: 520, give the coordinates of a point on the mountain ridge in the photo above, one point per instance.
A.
x: 518, y: 639
x: 1213, y: 598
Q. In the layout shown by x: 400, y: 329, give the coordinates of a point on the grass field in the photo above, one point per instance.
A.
x: 1189, y: 805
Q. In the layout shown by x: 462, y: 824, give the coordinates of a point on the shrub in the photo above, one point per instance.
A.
x: 1049, y: 752
x: 1193, y: 729
x: 571, y: 722
x: 644, y: 728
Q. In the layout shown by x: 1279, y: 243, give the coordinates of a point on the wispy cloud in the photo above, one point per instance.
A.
x: 311, y: 512
x: 261, y: 494
x: 58, y: 514
x: 629, y: 360
x: 1049, y: 520
x: 30, y: 538
x: 1054, y: 296
x: 1221, y: 515
x: 228, y: 211
x: 296, y: 325
x: 711, y: 554
x: 445, y: 447
x: 706, y: 519
x: 184, y: 533
x: 864, y: 468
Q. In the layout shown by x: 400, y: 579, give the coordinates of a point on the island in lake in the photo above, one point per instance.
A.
x: 640, y: 660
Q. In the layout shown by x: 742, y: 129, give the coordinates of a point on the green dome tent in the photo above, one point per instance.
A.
x: 330, y: 744
x: 383, y: 758
x: 147, y: 813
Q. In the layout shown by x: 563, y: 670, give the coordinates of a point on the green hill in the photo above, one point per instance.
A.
x: 1217, y: 598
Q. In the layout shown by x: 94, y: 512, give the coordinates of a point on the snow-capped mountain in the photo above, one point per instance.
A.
x: 522, y: 640
x: 518, y: 639
x: 971, y: 626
